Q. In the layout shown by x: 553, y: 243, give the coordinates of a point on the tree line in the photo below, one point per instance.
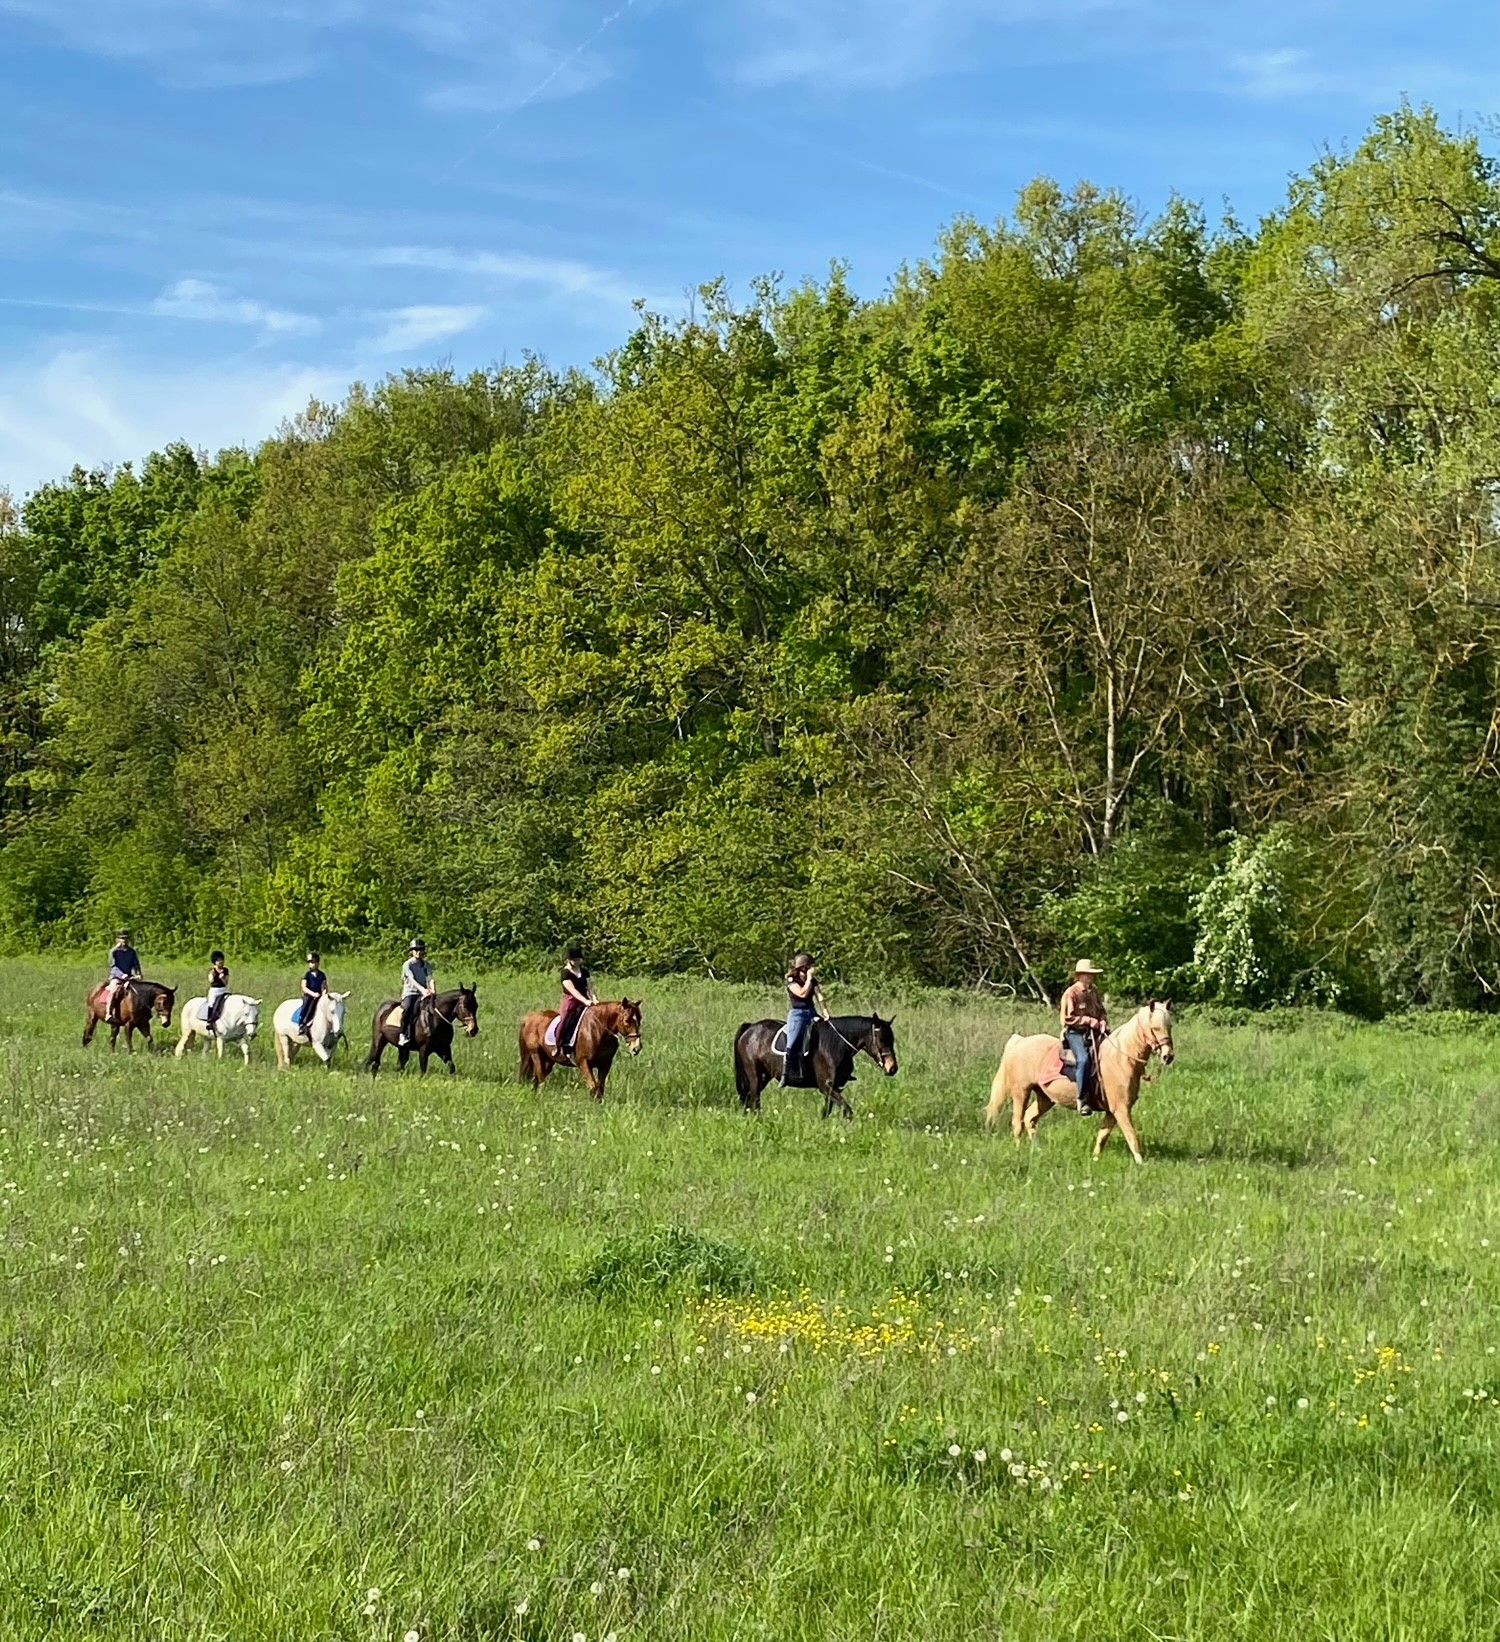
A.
x: 1105, y: 584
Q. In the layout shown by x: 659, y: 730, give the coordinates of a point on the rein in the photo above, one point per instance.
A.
x: 1153, y: 1046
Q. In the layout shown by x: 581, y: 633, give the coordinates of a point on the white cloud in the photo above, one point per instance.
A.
x: 1284, y: 73
x: 236, y: 42
x: 96, y: 405
x: 422, y: 324
x: 562, y: 276
x: 197, y: 299
x: 886, y: 43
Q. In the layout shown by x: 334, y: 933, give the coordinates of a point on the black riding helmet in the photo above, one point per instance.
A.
x: 574, y: 951
x: 418, y: 945
x: 314, y: 957
x: 216, y: 957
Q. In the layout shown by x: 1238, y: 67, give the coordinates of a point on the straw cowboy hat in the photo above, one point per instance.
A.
x: 1084, y: 967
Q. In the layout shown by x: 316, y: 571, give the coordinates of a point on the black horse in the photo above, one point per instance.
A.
x: 827, y: 1058
x: 432, y: 1031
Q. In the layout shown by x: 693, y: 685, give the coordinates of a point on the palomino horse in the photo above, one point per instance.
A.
x: 1032, y: 1067
x: 594, y: 1044
x: 431, y: 1031
x: 238, y: 1022
x: 828, y: 1064
x: 138, y: 1000
x: 323, y: 1035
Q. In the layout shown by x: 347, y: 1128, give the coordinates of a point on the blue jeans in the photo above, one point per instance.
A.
x: 797, y: 1023
x: 1082, y: 1045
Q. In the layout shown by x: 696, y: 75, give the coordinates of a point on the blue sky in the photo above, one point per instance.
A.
x: 211, y: 210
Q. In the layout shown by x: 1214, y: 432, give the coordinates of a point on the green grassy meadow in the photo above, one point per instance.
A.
x: 299, y: 1356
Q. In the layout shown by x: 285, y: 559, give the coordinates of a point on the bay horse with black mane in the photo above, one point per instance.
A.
x: 137, y: 1003
x: 432, y: 1030
x: 594, y: 1044
x: 828, y: 1060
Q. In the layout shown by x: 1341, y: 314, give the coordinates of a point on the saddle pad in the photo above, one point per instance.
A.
x: 393, y: 1018
x: 1052, y: 1065
x: 549, y: 1037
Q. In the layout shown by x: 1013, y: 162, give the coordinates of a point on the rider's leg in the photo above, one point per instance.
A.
x: 1082, y: 1049
x: 794, y: 1062
x: 408, y: 1013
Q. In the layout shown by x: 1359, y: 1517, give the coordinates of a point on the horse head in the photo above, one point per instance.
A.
x: 333, y: 1003
x: 628, y: 1023
x: 466, y: 1011
x: 880, y: 1044
x: 1158, y: 1025
x: 162, y: 999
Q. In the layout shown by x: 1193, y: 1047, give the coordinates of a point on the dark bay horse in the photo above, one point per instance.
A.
x: 431, y: 1032
x: 828, y: 1061
x: 138, y: 1001
x: 594, y: 1044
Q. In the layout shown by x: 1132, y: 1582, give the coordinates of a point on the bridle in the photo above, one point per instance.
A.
x: 1157, y: 1043
x: 466, y: 1020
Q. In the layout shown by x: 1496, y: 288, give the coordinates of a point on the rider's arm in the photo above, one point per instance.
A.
x: 817, y: 998
x: 804, y: 989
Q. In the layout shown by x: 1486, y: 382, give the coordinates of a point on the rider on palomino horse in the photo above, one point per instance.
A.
x: 577, y: 995
x: 314, y: 985
x: 218, y: 990
x: 804, y: 996
x: 1084, y: 1024
x: 416, y: 985
x: 124, y: 966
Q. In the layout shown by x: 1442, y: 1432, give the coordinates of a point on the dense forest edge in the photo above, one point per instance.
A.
x: 1107, y: 584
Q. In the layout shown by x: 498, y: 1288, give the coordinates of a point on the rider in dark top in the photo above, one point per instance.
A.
x: 577, y: 995
x: 314, y: 985
x: 218, y: 989
x: 804, y: 1001
x: 124, y: 966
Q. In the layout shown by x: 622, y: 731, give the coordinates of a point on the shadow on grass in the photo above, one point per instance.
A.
x: 1260, y: 1149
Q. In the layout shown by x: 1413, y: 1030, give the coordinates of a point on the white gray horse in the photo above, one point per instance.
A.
x: 327, y: 1028
x: 238, y: 1022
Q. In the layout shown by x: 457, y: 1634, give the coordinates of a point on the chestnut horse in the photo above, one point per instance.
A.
x: 138, y: 999
x: 1032, y: 1077
x: 594, y: 1044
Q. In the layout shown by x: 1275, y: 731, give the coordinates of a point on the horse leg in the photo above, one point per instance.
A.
x: 183, y: 1041
x: 422, y: 1055
x: 1019, y: 1096
x: 593, y: 1083
x: 88, y: 1027
x: 1036, y: 1111
x: 218, y: 1045
x: 1120, y: 1114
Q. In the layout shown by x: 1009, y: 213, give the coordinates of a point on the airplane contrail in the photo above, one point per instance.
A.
x: 536, y: 91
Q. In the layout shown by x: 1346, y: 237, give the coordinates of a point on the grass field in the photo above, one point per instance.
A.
x: 299, y: 1356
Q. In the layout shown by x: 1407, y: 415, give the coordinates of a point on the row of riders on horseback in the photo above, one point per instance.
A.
x: 1089, y: 1068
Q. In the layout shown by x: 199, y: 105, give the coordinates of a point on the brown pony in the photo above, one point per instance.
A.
x: 1031, y: 1067
x: 594, y: 1045
x: 137, y: 1001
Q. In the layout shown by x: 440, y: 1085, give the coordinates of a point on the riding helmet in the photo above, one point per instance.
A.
x: 314, y: 957
x: 418, y: 945
x: 216, y: 957
x: 574, y: 950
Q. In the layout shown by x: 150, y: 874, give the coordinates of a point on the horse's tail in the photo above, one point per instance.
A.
x: 372, y: 1061
x: 741, y: 1071
x: 998, y: 1088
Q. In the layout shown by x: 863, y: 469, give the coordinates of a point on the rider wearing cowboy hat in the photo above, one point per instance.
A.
x: 1084, y: 1022
x: 416, y: 984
